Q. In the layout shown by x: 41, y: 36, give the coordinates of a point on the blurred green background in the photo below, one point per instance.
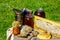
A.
x: 51, y: 8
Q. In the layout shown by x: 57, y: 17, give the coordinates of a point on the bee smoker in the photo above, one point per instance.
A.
x: 18, y: 15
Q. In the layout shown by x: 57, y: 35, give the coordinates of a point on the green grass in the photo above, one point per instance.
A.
x: 51, y: 8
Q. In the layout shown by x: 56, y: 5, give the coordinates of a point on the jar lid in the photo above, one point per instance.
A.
x: 40, y: 9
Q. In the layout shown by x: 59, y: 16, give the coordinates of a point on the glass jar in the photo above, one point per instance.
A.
x: 40, y: 12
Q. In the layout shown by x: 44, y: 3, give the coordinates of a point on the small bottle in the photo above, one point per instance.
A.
x: 28, y: 19
x: 15, y: 26
x: 40, y: 12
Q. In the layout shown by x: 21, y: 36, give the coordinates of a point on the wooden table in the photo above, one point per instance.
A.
x: 11, y: 36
